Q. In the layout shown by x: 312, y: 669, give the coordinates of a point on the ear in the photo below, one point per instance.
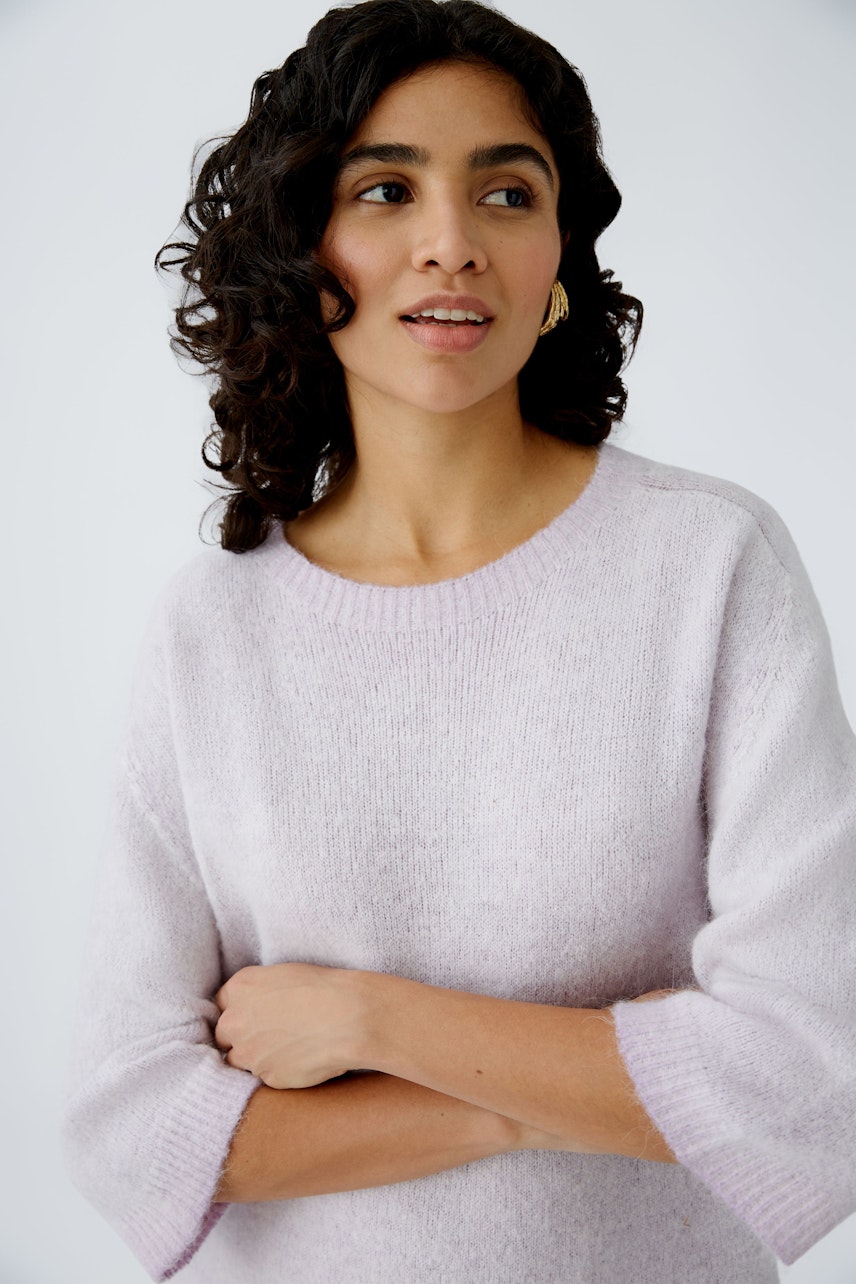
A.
x: 566, y: 236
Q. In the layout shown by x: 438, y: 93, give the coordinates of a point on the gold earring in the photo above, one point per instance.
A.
x: 558, y: 308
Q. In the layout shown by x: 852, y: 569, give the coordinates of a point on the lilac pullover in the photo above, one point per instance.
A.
x: 612, y: 761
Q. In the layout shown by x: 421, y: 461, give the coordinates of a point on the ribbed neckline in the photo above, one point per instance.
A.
x: 393, y: 607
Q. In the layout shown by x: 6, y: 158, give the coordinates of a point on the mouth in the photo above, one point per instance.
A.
x: 447, y: 335
x: 449, y: 317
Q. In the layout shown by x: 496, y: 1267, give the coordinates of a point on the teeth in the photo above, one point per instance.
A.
x: 451, y: 314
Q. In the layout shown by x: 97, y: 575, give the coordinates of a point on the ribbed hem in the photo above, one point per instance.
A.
x: 446, y: 603
x: 176, y: 1213
x: 658, y: 1040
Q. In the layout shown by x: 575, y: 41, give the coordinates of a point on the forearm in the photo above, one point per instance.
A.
x: 555, y: 1068
x: 351, y: 1133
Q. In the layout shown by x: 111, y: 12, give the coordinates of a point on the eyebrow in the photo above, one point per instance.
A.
x: 485, y: 157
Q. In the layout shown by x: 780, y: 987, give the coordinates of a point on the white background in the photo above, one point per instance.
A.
x: 727, y: 124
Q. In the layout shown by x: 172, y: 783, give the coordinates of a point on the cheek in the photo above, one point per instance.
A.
x: 546, y: 263
x: 535, y: 267
x: 351, y: 256
x: 535, y: 287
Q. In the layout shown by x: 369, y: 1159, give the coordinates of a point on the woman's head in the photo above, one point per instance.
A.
x: 266, y: 307
x: 445, y: 198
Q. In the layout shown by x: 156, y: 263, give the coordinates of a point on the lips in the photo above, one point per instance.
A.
x: 445, y: 337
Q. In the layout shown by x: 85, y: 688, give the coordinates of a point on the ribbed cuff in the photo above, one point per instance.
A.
x: 175, y: 1212
x: 678, y: 1085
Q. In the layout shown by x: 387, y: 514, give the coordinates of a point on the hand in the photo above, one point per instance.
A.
x: 293, y: 1025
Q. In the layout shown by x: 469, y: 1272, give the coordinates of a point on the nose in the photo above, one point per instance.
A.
x: 447, y: 236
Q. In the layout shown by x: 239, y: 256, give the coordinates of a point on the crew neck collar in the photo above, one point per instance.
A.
x: 445, y: 603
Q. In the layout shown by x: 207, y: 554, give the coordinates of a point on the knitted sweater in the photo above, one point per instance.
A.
x: 614, y: 760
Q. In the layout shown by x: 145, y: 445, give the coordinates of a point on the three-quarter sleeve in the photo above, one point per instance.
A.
x: 751, y: 1077
x: 151, y: 1106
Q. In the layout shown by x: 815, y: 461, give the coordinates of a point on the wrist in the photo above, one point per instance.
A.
x: 371, y: 997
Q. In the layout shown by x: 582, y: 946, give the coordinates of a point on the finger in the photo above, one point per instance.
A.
x: 220, y: 1037
x: 231, y: 1059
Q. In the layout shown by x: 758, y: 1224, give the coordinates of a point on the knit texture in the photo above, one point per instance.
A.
x: 612, y: 761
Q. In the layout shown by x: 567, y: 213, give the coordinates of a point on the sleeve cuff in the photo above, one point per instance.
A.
x: 775, y: 1193
x: 176, y: 1214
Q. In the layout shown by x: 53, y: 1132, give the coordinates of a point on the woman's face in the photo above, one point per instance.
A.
x: 445, y: 196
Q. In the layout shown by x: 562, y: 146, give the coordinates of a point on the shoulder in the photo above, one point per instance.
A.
x: 707, y: 540
x: 212, y: 590
x: 710, y: 511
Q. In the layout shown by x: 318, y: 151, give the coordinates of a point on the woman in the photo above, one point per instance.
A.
x: 481, y: 856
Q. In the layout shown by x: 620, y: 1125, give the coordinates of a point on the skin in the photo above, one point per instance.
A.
x: 448, y: 476
x: 556, y: 1070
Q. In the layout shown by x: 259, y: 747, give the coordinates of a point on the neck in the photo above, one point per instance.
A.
x: 437, y: 485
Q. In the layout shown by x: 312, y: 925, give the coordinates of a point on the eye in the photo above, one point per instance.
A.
x: 521, y: 197
x: 390, y: 194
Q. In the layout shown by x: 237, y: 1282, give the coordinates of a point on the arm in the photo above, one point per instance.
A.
x: 753, y: 1076
x: 150, y: 1107
x: 350, y: 1133
x: 556, y: 1069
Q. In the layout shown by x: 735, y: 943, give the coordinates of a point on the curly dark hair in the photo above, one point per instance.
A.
x: 250, y: 312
